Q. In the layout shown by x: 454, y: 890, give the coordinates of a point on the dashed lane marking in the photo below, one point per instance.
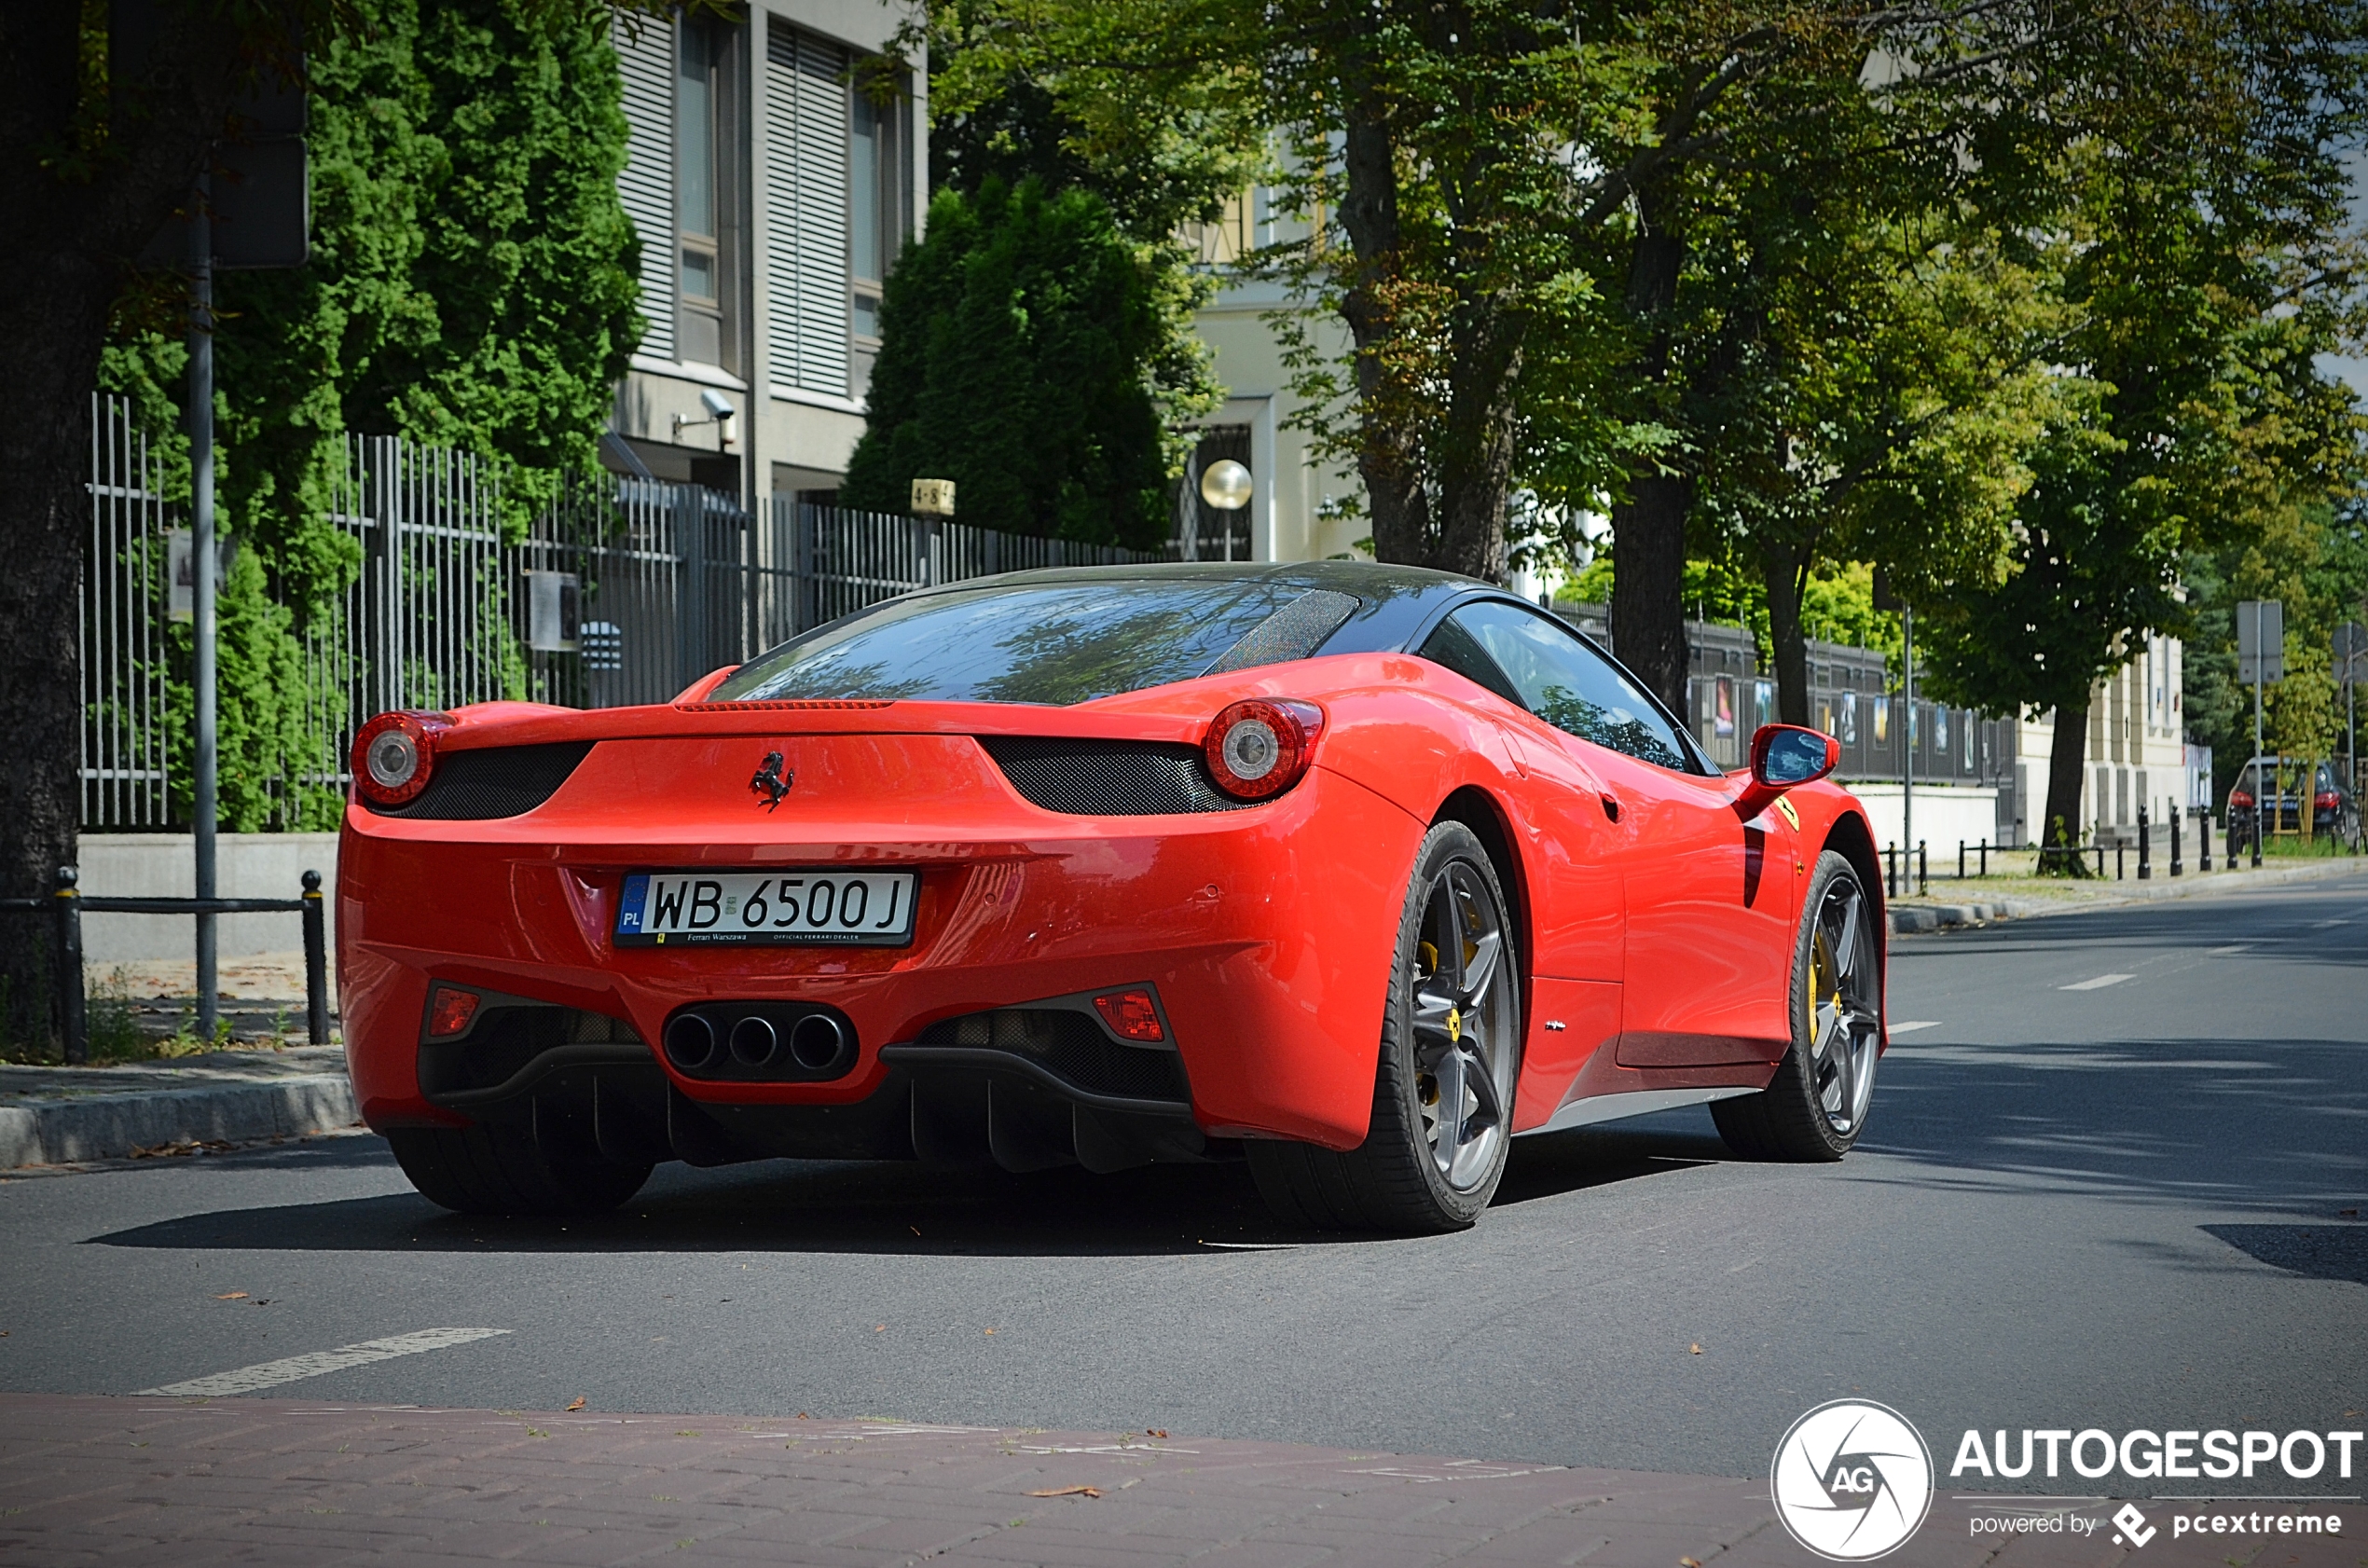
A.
x: 2097, y: 984
x: 269, y: 1374
x: 1910, y: 1026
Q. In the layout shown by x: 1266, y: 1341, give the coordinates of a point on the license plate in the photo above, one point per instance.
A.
x: 840, y: 908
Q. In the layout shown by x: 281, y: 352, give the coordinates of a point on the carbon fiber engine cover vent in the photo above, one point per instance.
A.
x: 1108, y: 777
x: 491, y: 781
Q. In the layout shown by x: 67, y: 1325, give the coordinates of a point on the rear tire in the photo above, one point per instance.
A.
x: 504, y: 1170
x: 1815, y: 1107
x: 1449, y: 1058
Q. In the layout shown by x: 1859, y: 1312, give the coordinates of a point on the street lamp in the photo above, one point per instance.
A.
x: 1225, y: 485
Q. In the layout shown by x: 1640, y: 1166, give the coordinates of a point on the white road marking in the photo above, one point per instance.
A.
x: 1912, y: 1025
x: 2322, y: 925
x: 2097, y: 984
x: 2223, y: 952
x: 268, y: 1374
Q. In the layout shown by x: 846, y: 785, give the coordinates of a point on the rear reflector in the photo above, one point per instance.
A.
x: 449, y: 1011
x: 1131, y: 1015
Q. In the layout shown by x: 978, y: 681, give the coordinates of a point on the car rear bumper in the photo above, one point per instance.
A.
x: 1266, y: 934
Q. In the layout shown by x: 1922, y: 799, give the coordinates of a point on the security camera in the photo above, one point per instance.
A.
x: 718, y: 414
x: 715, y: 402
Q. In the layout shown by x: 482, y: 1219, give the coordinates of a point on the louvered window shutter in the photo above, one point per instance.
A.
x: 806, y: 173
x: 646, y: 186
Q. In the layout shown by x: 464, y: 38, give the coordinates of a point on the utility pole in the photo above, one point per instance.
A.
x: 204, y: 563
x: 2261, y: 658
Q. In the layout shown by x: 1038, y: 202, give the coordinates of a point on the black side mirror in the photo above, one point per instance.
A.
x: 1784, y: 756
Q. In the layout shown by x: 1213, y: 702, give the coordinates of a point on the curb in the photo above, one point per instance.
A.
x: 113, y: 1126
x: 1913, y: 920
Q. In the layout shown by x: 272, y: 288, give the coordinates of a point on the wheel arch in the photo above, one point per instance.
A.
x: 1852, y: 839
x: 1484, y: 813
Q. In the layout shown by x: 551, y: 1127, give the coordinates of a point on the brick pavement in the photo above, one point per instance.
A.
x: 278, y: 1480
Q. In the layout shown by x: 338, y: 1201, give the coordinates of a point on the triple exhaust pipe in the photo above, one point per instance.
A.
x: 760, y: 1041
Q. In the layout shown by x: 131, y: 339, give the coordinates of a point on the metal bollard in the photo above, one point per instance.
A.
x: 2145, y: 850
x: 2175, y: 837
x: 2100, y: 861
x: 2121, y: 862
x: 1985, y: 857
x: 1960, y: 859
x: 1891, y: 870
x: 1923, y: 872
x: 2203, y: 840
x: 316, y: 962
x: 73, y: 1022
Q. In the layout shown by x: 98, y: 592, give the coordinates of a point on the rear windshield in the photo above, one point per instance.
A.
x: 1052, y: 643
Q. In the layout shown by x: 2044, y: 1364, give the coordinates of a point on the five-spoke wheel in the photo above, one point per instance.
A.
x: 1450, y: 1057
x: 1815, y: 1107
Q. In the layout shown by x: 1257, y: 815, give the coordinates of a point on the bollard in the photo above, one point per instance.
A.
x: 2121, y: 862
x: 1960, y: 859
x: 316, y: 962
x: 2175, y: 837
x: 1891, y: 870
x: 2203, y: 840
x: 1985, y: 857
x: 1923, y: 872
x: 2145, y: 852
x: 2100, y: 861
x: 73, y: 1023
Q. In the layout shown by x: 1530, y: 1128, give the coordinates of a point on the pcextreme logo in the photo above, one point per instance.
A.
x: 1852, y: 1481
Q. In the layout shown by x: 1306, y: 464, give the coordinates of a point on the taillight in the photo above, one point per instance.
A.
x: 394, y: 755
x: 1131, y: 1015
x: 2327, y: 801
x: 1258, y: 750
x: 2240, y: 797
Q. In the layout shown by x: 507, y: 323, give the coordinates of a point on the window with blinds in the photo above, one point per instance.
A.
x: 646, y: 184
x: 806, y: 211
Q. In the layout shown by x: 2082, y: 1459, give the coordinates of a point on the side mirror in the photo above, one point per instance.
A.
x: 1784, y: 756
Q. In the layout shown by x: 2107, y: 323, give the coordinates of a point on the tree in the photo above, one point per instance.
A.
x: 102, y: 137
x: 2191, y: 414
x: 1037, y: 357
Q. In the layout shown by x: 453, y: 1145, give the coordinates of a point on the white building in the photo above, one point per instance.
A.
x: 771, y: 197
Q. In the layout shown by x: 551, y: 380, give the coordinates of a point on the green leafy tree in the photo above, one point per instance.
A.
x: 1039, y: 358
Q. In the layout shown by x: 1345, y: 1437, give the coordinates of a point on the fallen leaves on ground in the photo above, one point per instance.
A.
x: 1074, y: 1492
x: 1693, y: 1350
x: 180, y: 1148
x: 578, y: 1403
x: 232, y: 1295
x: 1689, y: 1562
x: 1155, y: 1431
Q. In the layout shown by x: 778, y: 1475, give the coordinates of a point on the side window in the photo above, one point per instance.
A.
x: 1452, y: 646
x: 1569, y: 685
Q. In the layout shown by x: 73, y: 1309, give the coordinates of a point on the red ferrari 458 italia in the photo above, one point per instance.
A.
x: 1354, y: 872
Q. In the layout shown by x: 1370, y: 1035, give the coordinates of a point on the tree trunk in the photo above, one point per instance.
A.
x: 2067, y: 770
x: 1648, y: 584
x: 1648, y: 529
x: 81, y: 205
x: 1786, y: 571
x: 1388, y: 457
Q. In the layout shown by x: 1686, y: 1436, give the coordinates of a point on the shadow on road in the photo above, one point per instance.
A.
x: 2260, y: 1125
x: 790, y: 1205
x: 2338, y: 1252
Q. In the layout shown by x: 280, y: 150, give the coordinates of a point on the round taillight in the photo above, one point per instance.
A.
x: 394, y: 756
x: 1258, y: 750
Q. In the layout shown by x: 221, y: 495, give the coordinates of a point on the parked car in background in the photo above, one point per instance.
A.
x: 2334, y: 810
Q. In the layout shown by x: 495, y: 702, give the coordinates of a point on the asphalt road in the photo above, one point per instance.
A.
x: 2117, y: 1203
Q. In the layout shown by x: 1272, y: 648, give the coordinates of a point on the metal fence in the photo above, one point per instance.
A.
x: 622, y: 592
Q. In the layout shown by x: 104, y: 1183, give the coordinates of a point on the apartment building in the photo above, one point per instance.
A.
x: 771, y: 195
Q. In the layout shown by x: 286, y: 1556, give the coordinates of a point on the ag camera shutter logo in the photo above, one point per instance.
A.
x: 1852, y: 1481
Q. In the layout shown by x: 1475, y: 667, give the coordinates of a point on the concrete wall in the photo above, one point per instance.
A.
x: 1945, y: 813
x: 163, y: 865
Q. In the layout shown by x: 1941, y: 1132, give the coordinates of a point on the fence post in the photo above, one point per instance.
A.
x: 2145, y: 848
x: 1960, y: 859
x: 316, y: 962
x: 2176, y: 835
x: 1985, y: 859
x: 1891, y: 870
x: 1923, y: 870
x: 72, y: 1022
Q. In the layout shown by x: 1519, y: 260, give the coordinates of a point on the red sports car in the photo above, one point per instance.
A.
x: 1354, y: 872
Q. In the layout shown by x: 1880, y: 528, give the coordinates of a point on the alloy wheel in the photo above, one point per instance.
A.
x: 1844, y: 1024
x: 1463, y: 1053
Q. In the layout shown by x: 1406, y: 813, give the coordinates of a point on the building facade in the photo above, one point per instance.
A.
x: 775, y: 166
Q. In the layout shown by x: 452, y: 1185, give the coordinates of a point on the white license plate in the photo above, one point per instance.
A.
x: 662, y: 908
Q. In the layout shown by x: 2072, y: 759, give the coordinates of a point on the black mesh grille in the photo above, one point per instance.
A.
x: 492, y: 781
x: 1071, y: 1046
x: 1108, y: 777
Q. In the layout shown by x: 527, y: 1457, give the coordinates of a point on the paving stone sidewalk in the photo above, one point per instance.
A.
x: 272, y: 1481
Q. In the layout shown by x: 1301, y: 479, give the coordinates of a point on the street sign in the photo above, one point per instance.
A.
x: 2351, y: 651
x: 2260, y: 641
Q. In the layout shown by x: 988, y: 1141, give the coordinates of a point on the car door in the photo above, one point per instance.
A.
x: 1708, y: 897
